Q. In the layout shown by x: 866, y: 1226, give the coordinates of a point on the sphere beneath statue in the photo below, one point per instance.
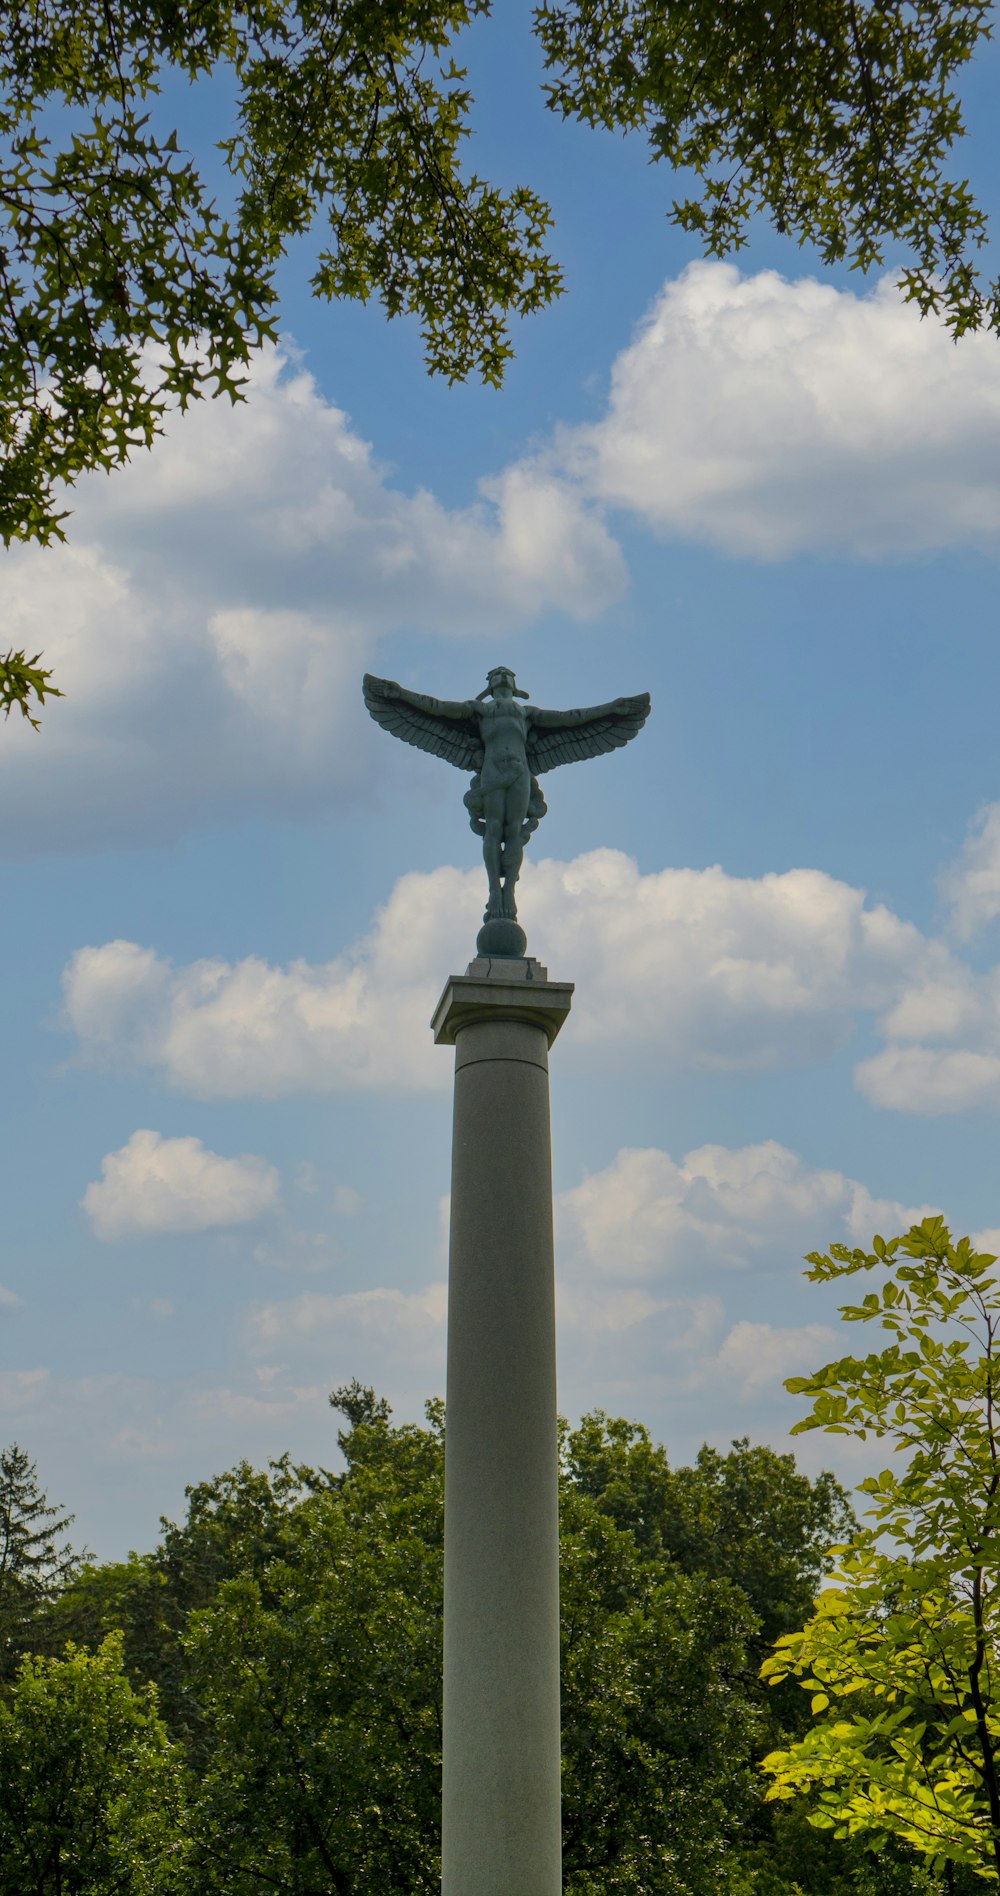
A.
x: 502, y: 939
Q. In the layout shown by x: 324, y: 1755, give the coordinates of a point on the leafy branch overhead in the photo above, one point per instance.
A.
x: 23, y: 680
x: 127, y: 287
x: 835, y: 119
x: 124, y: 290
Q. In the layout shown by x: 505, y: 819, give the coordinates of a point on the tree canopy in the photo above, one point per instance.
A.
x: 137, y: 275
x: 900, y: 1656
x: 91, y: 1790
x: 290, y: 1626
x: 36, y: 1561
x: 833, y: 118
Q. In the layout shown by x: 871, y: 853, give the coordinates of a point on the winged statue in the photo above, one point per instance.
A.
x: 507, y: 745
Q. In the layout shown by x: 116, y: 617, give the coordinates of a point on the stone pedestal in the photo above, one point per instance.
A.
x: 501, y: 1812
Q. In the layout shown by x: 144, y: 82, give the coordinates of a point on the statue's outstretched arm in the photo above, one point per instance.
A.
x: 567, y: 737
x: 563, y: 720
x: 444, y: 728
x: 436, y: 707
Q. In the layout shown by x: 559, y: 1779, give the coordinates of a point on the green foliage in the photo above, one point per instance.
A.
x: 91, y: 1792
x: 659, y: 1720
x: 749, y: 1515
x: 835, y: 118
x: 900, y: 1657
x: 21, y: 681
x: 35, y: 1561
x: 234, y: 1528
x: 292, y: 1622
x: 674, y: 1582
x: 319, y: 1680
x: 123, y: 290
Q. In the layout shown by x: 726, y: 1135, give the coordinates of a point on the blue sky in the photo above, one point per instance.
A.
x: 767, y: 494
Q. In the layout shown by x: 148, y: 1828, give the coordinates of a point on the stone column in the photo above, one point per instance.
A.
x: 501, y: 1809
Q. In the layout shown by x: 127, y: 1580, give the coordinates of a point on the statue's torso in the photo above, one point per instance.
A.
x: 504, y: 726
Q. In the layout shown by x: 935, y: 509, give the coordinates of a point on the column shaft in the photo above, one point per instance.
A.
x: 501, y: 1815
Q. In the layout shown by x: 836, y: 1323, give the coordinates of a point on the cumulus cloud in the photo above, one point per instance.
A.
x: 663, y: 1266
x: 395, y: 1322
x: 220, y: 597
x: 22, y: 1389
x: 291, y: 1250
x: 219, y: 1028
x: 646, y: 1216
x: 971, y: 886
x: 694, y: 966
x: 932, y: 1079
x: 942, y: 1031
x: 770, y: 417
x: 706, y: 968
x: 153, y: 1185
x: 757, y: 1357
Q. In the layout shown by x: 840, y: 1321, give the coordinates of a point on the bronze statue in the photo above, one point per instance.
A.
x: 507, y: 746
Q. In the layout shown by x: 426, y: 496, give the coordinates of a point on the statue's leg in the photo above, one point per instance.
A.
x: 513, y: 856
x: 515, y: 813
x: 493, y: 807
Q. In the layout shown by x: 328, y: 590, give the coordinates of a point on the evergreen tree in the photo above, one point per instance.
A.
x: 35, y: 1560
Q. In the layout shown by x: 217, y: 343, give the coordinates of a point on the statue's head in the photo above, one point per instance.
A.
x: 501, y: 683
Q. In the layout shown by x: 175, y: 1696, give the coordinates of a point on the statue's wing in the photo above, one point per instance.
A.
x: 455, y: 738
x: 605, y: 730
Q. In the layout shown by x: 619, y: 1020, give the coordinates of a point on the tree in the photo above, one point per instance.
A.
x: 319, y: 1678
x: 293, y: 1623
x: 91, y: 1792
x: 748, y: 1515
x: 125, y: 290
x: 35, y: 1560
x: 834, y: 118
x: 901, y: 1654
x: 660, y: 1720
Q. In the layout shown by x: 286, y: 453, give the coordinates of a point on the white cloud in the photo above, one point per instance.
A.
x: 246, y: 1408
x: 220, y: 597
x: 942, y: 1030
x: 291, y: 1250
x: 215, y: 1028
x: 972, y: 884
x: 666, y: 1268
x: 705, y: 968
x: 931, y: 1080
x: 756, y: 1357
x: 171, y: 1185
x: 943, y: 1052
x: 694, y: 966
x: 392, y: 1321
x: 22, y: 1389
x: 770, y: 417
x: 647, y: 1217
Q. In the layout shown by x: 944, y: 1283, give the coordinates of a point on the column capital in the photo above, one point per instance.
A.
x: 494, y: 989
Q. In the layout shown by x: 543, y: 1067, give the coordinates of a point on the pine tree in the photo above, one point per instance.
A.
x: 35, y: 1559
